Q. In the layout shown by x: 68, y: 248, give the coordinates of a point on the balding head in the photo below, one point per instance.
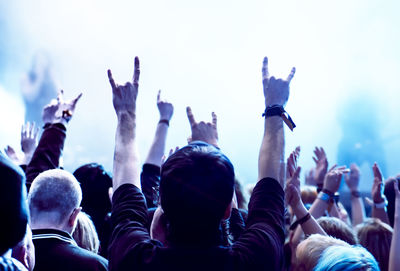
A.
x: 54, y: 196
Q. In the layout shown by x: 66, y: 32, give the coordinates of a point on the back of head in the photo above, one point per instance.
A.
x: 53, y: 196
x: 196, y: 188
x: 308, y: 194
x: 354, y: 258
x: 13, y: 207
x: 376, y: 237
x: 337, y: 228
x: 309, y: 251
x: 95, y: 183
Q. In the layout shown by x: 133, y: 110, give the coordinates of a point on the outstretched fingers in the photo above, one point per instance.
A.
x: 159, y: 96
x: 265, y: 72
x: 190, y: 116
x: 136, y: 72
x: 60, y: 96
x: 74, y: 101
x: 214, y: 119
x: 291, y: 75
x: 111, y: 79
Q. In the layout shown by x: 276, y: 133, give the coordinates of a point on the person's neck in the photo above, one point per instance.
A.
x: 47, y: 225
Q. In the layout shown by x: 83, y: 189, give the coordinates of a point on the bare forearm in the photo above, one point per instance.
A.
x: 311, y: 226
x: 126, y: 158
x: 272, y: 150
x: 381, y: 214
x: 157, y: 148
x: 357, y: 211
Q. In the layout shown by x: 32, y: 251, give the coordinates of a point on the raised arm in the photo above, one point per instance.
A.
x: 157, y: 148
x: 29, y: 141
x: 321, y: 203
x: 394, y: 259
x: 293, y: 198
x: 321, y: 167
x: 126, y: 158
x: 56, y: 116
x: 271, y: 156
x: 379, y: 200
x: 203, y: 131
x: 150, y: 176
x: 357, y: 205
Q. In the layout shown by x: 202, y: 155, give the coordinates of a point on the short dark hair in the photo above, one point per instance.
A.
x: 13, y: 205
x: 196, y: 187
x: 95, y: 183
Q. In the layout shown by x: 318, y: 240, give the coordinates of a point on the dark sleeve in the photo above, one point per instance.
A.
x: 149, y: 178
x: 130, y: 243
x: 48, y: 152
x: 260, y: 247
x: 236, y: 224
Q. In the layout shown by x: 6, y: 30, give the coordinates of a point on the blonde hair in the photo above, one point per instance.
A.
x: 310, y: 250
x: 55, y: 192
x: 85, y: 234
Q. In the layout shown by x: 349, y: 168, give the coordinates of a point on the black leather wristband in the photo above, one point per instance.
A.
x: 277, y: 110
x: 300, y: 221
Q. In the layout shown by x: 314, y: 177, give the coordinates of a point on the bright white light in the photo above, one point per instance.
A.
x: 208, y: 54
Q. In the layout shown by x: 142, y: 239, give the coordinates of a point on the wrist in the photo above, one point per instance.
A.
x: 126, y: 116
x: 299, y: 210
x: 163, y: 122
x: 355, y: 194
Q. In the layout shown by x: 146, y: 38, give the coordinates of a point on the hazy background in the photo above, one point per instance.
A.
x: 208, y: 54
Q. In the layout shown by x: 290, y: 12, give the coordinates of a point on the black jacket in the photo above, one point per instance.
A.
x: 259, y: 247
x: 56, y: 250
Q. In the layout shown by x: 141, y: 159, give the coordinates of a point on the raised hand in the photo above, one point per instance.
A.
x: 126, y: 157
x: 377, y: 186
x: 292, y: 190
x: 124, y: 97
x: 12, y: 154
x: 333, y: 178
x: 353, y: 179
x: 276, y: 91
x: 321, y: 165
x: 203, y: 131
x: 59, y: 110
x: 29, y: 137
x: 165, y: 108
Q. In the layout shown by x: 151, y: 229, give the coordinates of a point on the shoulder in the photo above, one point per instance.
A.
x: 86, y: 258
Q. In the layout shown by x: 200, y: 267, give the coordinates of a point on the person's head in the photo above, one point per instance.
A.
x: 85, y: 234
x: 353, y: 258
x: 196, y: 190
x: 337, y: 228
x: 376, y: 237
x: 24, y: 251
x: 308, y: 194
x: 54, y: 200
x: 13, y: 207
x: 309, y: 251
x: 95, y: 183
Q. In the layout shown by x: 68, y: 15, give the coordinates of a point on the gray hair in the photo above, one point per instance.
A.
x: 54, y: 192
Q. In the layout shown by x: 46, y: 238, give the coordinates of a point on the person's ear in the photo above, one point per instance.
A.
x: 74, y: 217
x: 228, y: 211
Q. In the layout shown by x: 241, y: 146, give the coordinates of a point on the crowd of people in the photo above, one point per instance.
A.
x: 187, y: 211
